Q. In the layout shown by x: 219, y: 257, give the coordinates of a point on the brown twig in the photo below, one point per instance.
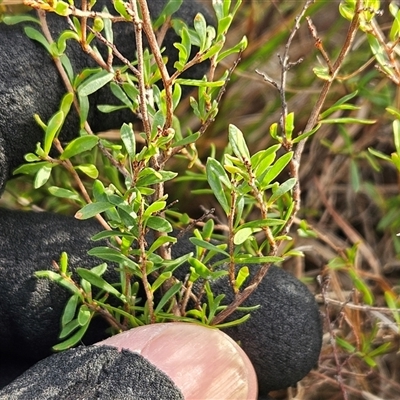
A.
x: 115, y: 51
x: 138, y: 26
x: 152, y: 39
x: 70, y: 89
x: 350, y: 232
x: 352, y: 306
x: 314, y: 116
x: 262, y: 271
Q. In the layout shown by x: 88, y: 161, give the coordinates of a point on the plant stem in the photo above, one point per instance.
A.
x: 295, y: 165
x: 151, y: 37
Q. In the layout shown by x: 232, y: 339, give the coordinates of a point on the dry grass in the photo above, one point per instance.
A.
x: 345, y: 200
x: 343, y: 197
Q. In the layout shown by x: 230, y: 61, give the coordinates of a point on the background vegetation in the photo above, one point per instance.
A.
x: 349, y: 218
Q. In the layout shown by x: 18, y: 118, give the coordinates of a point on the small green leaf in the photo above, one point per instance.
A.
x: 282, y: 189
x: 42, y: 176
x: 62, y: 8
x: 187, y: 140
x: 354, y: 176
x: 380, y: 350
x: 95, y: 82
x: 30, y: 157
x: 128, y: 138
x: 84, y: 106
x: 108, y: 234
x: 362, y: 287
x: 88, y: 169
x: 322, y: 73
x: 289, y: 125
x: 184, y: 48
x: 379, y: 154
x: 243, y: 234
x: 161, y: 241
x: 62, y: 40
x: 171, y: 265
x: 239, y: 146
x: 348, y: 120
x: 79, y: 145
x: 261, y: 223
x: 107, y: 109
x: 273, y: 131
x: 305, y: 135
x: 84, y: 315
x: 393, y: 111
x: 63, y: 262
x: 263, y: 159
x: 235, y: 322
x: 119, y: 93
x: 200, y: 269
x: 119, y: 6
x: 34, y: 34
x: 99, y: 269
x: 171, y: 292
x: 52, y: 130
x: 99, y: 282
x: 31, y: 169
x: 113, y: 255
x: 200, y: 26
x: 70, y: 310
x: 55, y: 277
x: 277, y: 168
x: 257, y: 260
x: 396, y: 135
x: 159, y: 224
x: 154, y: 208
x: 242, y: 45
x: 63, y: 193
x: 215, y: 49
x: 391, y: 302
x: 160, y: 280
x: 73, y: 340
x: 16, y: 19
x: 202, y: 83
x: 69, y: 328
x: 208, y: 246
x: 241, y: 277
x: 216, y: 177
x: 92, y: 209
x: 170, y: 8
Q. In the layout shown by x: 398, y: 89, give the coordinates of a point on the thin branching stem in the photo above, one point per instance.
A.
x: 294, y: 165
x: 231, y: 245
x: 72, y: 10
x: 143, y: 265
x: 285, y: 67
x: 152, y: 39
x: 70, y: 89
x: 116, y: 52
x: 138, y: 26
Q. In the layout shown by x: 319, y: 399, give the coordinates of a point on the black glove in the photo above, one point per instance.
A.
x: 30, y: 82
